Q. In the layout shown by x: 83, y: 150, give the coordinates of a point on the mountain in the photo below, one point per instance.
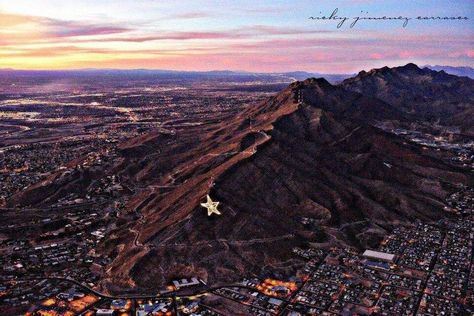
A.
x: 422, y: 93
x: 309, y: 154
x: 458, y: 71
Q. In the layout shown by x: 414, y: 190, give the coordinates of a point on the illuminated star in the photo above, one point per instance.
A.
x: 211, y: 206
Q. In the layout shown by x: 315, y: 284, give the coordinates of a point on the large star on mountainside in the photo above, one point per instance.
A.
x: 211, y: 206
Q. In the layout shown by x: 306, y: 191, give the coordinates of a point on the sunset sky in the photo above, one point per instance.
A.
x: 263, y: 36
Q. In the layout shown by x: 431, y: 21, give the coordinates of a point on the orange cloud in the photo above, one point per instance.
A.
x: 18, y: 28
x: 12, y: 20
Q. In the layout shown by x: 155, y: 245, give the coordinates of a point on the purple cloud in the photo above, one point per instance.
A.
x: 60, y: 28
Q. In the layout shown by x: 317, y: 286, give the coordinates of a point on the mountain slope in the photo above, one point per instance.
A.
x: 424, y: 93
x: 308, y: 152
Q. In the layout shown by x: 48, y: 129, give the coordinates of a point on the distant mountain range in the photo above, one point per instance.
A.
x: 185, y: 75
x: 215, y: 74
x: 458, y: 71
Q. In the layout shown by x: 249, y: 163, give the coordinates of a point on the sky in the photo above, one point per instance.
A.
x: 257, y: 36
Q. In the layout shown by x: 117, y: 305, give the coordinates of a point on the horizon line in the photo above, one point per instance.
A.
x: 166, y: 70
x: 202, y: 71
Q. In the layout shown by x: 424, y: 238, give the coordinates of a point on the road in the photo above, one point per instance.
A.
x: 56, y: 208
x: 231, y: 242
x: 184, y: 293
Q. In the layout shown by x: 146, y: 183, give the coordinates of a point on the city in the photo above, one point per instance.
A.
x: 236, y: 158
x: 424, y: 269
x: 55, y: 244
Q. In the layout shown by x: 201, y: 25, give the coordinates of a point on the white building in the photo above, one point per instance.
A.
x: 104, y: 312
x: 383, y: 256
x: 185, y: 283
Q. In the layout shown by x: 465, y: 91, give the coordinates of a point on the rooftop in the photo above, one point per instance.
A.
x: 379, y: 255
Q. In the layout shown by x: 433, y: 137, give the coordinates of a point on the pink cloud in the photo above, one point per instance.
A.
x: 406, y: 54
x: 240, y: 33
x: 176, y: 36
x: 73, y: 30
x: 190, y: 15
x: 458, y: 54
x: 376, y: 56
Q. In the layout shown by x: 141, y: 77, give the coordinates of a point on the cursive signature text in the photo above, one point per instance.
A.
x: 354, y: 20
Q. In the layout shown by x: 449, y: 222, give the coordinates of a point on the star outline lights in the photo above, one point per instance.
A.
x: 211, y: 206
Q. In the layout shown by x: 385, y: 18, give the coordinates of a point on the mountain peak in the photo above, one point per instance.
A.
x: 318, y: 81
x: 410, y: 66
x: 312, y: 82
